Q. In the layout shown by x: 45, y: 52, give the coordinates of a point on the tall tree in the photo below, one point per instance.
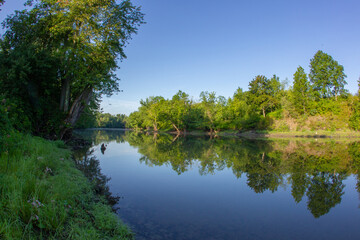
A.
x: 179, y: 107
x: 208, y: 103
x: 85, y: 37
x: 259, y: 94
x: 222, y: 113
x: 153, y: 110
x: 276, y: 92
x: 300, y: 91
x: 327, y: 76
x: 238, y: 108
x: 354, y: 121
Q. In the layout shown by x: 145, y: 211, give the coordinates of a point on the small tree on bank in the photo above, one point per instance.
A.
x: 300, y: 91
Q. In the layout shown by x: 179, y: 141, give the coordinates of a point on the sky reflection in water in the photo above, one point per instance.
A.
x: 231, y: 188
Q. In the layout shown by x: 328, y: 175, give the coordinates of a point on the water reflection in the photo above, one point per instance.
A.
x: 314, y: 169
x: 86, y: 162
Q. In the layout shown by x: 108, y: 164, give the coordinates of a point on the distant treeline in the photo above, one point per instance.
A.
x: 101, y: 120
x: 315, y: 101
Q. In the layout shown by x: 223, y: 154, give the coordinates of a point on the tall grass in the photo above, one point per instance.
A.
x: 43, y: 195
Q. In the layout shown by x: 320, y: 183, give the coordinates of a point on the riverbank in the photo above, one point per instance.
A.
x: 293, y: 134
x: 44, y: 196
x: 258, y: 134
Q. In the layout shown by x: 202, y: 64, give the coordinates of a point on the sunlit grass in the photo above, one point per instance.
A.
x: 43, y: 195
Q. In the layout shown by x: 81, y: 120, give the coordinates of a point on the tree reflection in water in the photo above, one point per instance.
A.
x: 324, y: 192
x: 315, y: 169
x: 90, y: 166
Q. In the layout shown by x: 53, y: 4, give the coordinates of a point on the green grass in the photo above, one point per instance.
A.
x: 315, y: 133
x: 43, y: 195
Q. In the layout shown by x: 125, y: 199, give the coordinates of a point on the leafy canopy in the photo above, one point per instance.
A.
x: 327, y: 76
x: 61, y: 54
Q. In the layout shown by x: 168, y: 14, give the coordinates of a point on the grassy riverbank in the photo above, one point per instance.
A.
x: 293, y: 134
x: 44, y: 196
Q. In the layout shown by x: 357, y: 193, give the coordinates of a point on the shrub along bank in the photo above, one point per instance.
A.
x: 44, y: 196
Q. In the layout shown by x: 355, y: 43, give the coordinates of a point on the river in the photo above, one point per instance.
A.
x: 175, y: 187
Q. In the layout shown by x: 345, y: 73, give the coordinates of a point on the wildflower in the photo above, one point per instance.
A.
x: 36, y: 217
x: 39, y: 204
x: 35, y: 203
x: 48, y: 170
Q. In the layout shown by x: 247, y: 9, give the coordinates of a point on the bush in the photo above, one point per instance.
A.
x: 283, y: 127
x: 250, y: 122
x: 5, y: 125
x: 278, y: 114
x: 354, y: 121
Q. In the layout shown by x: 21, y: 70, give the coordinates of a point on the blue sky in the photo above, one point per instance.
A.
x: 207, y: 45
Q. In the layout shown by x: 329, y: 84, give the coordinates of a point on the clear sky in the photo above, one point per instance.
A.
x: 208, y: 45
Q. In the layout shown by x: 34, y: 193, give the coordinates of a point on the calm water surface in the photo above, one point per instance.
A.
x: 231, y: 188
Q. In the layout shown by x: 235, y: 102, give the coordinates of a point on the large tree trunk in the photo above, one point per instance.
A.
x: 65, y: 95
x: 75, y: 111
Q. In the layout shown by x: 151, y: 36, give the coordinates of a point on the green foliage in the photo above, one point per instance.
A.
x: 251, y: 122
x: 5, y: 125
x: 301, y: 91
x: 327, y: 76
x: 283, y: 127
x: 106, y: 120
x: 208, y: 106
x: 237, y: 109
x: 153, y: 110
x: 101, y: 120
x: 278, y: 114
x: 86, y: 120
x: 195, y: 117
x: 59, y: 55
x: 135, y: 120
x: 264, y: 94
x: 324, y: 105
x: 258, y: 96
x: 26, y: 77
x: 354, y: 122
x: 178, y: 110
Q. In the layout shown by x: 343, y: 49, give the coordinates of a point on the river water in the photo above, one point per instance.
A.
x: 231, y: 188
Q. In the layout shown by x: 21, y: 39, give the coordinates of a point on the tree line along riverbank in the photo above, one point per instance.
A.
x: 316, y: 101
